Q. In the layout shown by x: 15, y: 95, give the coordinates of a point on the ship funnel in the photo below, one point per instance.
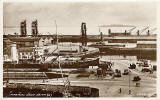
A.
x: 23, y: 28
x: 148, y: 32
x: 101, y: 34
x: 34, y: 28
x: 109, y: 32
x: 125, y: 32
x: 84, y: 34
x: 138, y: 33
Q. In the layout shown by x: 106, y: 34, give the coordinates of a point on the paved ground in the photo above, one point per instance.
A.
x: 110, y: 87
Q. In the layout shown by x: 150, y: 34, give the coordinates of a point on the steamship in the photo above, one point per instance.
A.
x: 126, y: 43
x: 26, y: 51
x: 38, y: 69
x: 143, y: 47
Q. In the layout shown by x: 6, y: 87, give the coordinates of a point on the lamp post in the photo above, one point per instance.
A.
x: 7, y: 74
x: 129, y: 82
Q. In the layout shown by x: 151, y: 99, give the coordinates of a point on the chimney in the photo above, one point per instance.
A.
x: 109, y: 32
x: 101, y: 34
x: 84, y: 34
x: 34, y: 28
x: 23, y: 28
x: 125, y: 32
x: 148, y: 32
x: 138, y: 33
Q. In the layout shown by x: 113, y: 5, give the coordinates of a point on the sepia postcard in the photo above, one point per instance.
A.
x: 81, y: 49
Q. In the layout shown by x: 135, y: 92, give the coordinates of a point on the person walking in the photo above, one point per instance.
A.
x: 120, y: 90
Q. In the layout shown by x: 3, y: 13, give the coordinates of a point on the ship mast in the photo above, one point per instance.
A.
x: 58, y: 53
x: 66, y: 84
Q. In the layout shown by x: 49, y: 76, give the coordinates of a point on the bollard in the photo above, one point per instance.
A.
x: 43, y: 81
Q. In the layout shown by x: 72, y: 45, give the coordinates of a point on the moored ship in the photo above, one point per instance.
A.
x: 141, y: 47
x: 67, y: 63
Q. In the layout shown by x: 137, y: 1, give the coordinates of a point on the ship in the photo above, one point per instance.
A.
x: 42, y: 70
x: 94, y: 52
x: 65, y: 63
x: 141, y: 47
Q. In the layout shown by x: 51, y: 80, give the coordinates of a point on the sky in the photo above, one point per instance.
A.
x: 70, y: 15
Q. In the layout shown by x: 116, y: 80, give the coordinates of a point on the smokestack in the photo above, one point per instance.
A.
x: 138, y: 33
x: 23, y: 28
x: 34, y: 28
x: 109, y: 31
x: 148, y: 32
x: 101, y: 36
x: 84, y: 34
x: 125, y: 32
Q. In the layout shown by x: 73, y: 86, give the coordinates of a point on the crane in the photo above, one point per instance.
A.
x: 130, y: 30
x: 153, y: 30
x: 143, y: 30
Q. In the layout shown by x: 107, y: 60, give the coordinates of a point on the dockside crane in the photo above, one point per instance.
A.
x: 154, y: 29
x: 143, y: 29
x: 130, y: 30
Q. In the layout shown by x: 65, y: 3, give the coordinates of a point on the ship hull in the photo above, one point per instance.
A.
x: 112, y: 50
x: 134, y: 50
x: 64, y: 64
x: 120, y: 49
x: 88, y: 54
